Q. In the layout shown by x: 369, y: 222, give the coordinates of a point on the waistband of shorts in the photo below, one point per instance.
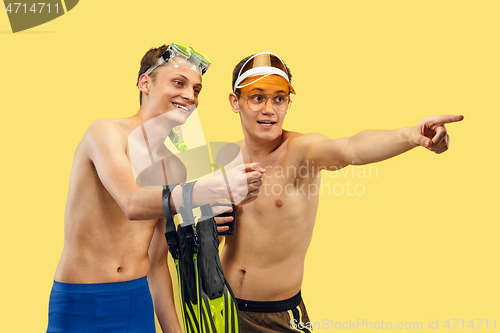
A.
x: 100, y: 287
x: 273, y: 306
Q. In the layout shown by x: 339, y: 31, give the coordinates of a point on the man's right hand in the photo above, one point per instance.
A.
x: 244, y: 182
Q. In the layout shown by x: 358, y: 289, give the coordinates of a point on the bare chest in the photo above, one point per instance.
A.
x: 286, y: 194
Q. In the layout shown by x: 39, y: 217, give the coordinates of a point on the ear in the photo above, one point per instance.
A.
x: 233, y: 100
x: 144, y: 83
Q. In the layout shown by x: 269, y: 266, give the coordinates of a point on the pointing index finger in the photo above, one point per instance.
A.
x: 446, y: 119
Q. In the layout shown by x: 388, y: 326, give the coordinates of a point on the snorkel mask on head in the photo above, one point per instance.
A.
x: 200, y: 62
x: 262, y: 65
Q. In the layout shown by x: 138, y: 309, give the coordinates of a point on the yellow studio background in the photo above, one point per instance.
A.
x: 420, y: 243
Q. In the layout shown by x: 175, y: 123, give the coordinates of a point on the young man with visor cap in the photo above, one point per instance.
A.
x: 113, y: 226
x: 264, y: 260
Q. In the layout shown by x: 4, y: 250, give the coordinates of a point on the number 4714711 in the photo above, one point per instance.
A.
x: 471, y: 323
x: 33, y: 8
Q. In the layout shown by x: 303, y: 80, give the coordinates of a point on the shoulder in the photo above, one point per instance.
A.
x: 104, y: 129
x: 301, y: 140
x: 301, y: 146
x: 104, y: 132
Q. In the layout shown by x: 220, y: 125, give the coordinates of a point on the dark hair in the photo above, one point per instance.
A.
x: 240, y: 65
x: 148, y: 60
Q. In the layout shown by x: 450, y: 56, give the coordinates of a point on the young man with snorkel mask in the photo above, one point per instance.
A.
x: 264, y: 260
x: 101, y: 282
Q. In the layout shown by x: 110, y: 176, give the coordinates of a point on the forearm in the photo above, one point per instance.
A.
x: 204, y: 192
x: 160, y: 284
x: 143, y: 204
x: 146, y: 204
x: 372, y: 146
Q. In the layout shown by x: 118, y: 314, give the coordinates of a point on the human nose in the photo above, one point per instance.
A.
x: 188, y: 94
x: 268, y: 106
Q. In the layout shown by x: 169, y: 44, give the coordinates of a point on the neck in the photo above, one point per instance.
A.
x: 259, y: 149
x: 157, y: 128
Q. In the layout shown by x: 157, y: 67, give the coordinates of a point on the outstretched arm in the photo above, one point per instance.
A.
x: 373, y: 145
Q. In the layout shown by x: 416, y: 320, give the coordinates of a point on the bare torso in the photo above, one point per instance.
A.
x: 100, y: 244
x: 264, y: 260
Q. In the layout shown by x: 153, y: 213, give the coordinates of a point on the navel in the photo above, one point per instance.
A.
x: 119, y: 269
x: 278, y: 203
x: 242, y: 278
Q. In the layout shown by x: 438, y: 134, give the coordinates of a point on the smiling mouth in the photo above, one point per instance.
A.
x: 183, y: 108
x: 266, y: 122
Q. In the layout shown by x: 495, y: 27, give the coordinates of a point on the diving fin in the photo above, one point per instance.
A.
x: 216, y: 294
x: 179, y: 246
x: 208, y: 304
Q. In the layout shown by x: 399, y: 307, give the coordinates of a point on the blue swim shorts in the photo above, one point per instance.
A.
x: 101, y: 307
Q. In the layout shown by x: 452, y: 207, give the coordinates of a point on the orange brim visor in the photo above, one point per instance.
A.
x: 262, y: 65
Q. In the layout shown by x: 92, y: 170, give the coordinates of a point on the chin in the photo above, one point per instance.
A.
x: 177, y: 117
x: 266, y: 136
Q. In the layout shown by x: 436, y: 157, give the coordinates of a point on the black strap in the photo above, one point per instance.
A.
x: 188, y: 219
x: 206, y: 212
x: 170, y: 234
x: 166, y: 55
x: 187, y: 210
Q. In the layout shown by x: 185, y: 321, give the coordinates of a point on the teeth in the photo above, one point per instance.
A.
x: 181, y: 107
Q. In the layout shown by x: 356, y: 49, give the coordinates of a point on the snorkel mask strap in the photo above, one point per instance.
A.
x: 176, y: 49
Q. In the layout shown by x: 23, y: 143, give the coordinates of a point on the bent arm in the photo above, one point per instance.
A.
x: 106, y: 147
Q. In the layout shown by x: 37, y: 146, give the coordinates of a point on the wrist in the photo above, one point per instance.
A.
x: 216, y: 187
x: 404, y: 136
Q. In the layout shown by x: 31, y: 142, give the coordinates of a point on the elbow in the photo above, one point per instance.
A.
x: 352, y: 159
x: 132, y: 216
x: 348, y: 156
x: 131, y: 211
